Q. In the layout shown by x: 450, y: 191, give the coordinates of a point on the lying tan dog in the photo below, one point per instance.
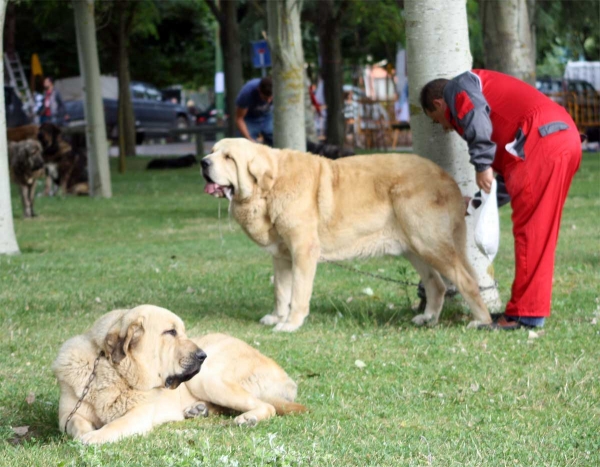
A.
x: 140, y: 357
x: 304, y: 209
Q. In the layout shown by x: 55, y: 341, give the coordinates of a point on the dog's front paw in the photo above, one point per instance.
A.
x: 423, y: 319
x: 96, y: 437
x: 270, y: 320
x: 246, y: 420
x: 197, y: 410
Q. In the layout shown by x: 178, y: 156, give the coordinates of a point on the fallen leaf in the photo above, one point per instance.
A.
x: 475, y: 387
x: 21, y: 430
x: 97, y: 299
x: 533, y: 335
x: 360, y: 364
x: 368, y: 291
x: 30, y: 399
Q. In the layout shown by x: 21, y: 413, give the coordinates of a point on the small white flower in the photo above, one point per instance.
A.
x: 360, y: 364
x: 368, y: 291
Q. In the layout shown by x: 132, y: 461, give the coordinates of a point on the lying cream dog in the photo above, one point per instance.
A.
x: 139, y: 359
x: 304, y: 209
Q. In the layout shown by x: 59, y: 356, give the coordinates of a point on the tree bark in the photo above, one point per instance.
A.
x: 331, y: 70
x: 508, y: 38
x: 285, y: 40
x: 125, y: 119
x: 229, y: 33
x: 98, y: 168
x: 8, y: 240
x: 438, y: 47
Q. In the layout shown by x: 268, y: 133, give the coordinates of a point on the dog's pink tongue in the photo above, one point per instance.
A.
x: 210, y: 188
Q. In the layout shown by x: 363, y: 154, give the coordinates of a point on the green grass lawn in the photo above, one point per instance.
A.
x: 443, y: 396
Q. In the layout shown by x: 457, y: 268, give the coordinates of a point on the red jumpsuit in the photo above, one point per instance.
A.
x: 534, y: 144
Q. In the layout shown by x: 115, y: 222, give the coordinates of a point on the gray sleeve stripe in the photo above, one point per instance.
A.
x: 552, y: 127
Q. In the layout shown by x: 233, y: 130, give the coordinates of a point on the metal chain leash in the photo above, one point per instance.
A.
x: 370, y: 274
x: 389, y: 279
x: 85, y: 390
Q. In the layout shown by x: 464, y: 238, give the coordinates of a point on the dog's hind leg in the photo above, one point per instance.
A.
x: 434, y: 290
x: 454, y: 266
x: 233, y: 396
x: 283, y: 292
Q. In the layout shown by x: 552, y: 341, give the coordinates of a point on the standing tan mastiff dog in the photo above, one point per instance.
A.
x: 124, y: 377
x: 304, y: 209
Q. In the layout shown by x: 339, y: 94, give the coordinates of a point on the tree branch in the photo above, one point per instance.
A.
x: 215, y: 11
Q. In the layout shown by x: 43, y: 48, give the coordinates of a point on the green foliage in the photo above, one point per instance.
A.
x: 566, y: 30
x: 443, y: 396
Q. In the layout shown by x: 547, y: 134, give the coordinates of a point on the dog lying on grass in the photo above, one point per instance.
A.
x: 26, y: 167
x: 304, y: 209
x: 148, y: 372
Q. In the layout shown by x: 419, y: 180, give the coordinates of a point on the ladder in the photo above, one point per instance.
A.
x: 16, y: 78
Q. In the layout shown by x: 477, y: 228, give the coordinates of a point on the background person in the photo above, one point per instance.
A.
x: 53, y: 108
x: 254, y: 110
x: 518, y: 132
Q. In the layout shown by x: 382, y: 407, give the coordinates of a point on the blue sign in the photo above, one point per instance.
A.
x: 261, y: 54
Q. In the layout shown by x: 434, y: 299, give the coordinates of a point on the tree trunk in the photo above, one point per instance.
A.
x: 285, y: 40
x: 331, y: 70
x: 8, y: 240
x: 10, y: 28
x: 232, y: 59
x: 98, y: 168
x: 507, y: 38
x: 126, y: 119
x: 438, y: 47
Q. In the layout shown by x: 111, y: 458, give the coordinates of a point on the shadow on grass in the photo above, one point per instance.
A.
x: 36, y: 423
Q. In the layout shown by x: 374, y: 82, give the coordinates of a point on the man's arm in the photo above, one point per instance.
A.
x: 240, y: 113
x: 470, y: 109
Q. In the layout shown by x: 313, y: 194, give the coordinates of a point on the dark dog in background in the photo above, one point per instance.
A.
x: 21, y: 133
x: 172, y: 162
x: 66, y: 164
x: 330, y: 151
x: 26, y: 167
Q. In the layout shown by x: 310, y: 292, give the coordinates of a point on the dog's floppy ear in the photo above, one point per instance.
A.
x: 117, y: 346
x: 260, y: 168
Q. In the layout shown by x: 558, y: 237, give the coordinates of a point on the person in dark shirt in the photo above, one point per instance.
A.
x: 254, y: 110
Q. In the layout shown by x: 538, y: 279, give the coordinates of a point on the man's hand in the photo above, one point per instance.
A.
x: 484, y: 179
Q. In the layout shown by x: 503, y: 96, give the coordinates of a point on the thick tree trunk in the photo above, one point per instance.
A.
x: 285, y: 40
x: 331, y: 70
x: 508, y: 42
x: 98, y: 168
x: 232, y: 59
x: 438, y: 47
x: 126, y: 119
x: 8, y: 240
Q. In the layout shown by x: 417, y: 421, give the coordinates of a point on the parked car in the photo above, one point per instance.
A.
x: 13, y: 109
x: 154, y: 117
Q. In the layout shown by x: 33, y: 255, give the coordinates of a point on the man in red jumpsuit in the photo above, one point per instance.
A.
x: 514, y: 130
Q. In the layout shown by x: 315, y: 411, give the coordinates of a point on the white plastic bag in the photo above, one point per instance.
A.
x: 487, y: 223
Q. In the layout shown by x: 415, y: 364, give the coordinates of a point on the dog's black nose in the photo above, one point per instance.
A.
x: 200, y: 355
x: 205, y: 163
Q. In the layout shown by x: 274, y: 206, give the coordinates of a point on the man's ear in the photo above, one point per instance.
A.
x: 117, y: 347
x: 439, y: 103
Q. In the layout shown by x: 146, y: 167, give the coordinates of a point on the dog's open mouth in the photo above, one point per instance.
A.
x: 218, y: 191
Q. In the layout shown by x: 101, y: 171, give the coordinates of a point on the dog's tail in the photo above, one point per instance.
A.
x: 284, y: 407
